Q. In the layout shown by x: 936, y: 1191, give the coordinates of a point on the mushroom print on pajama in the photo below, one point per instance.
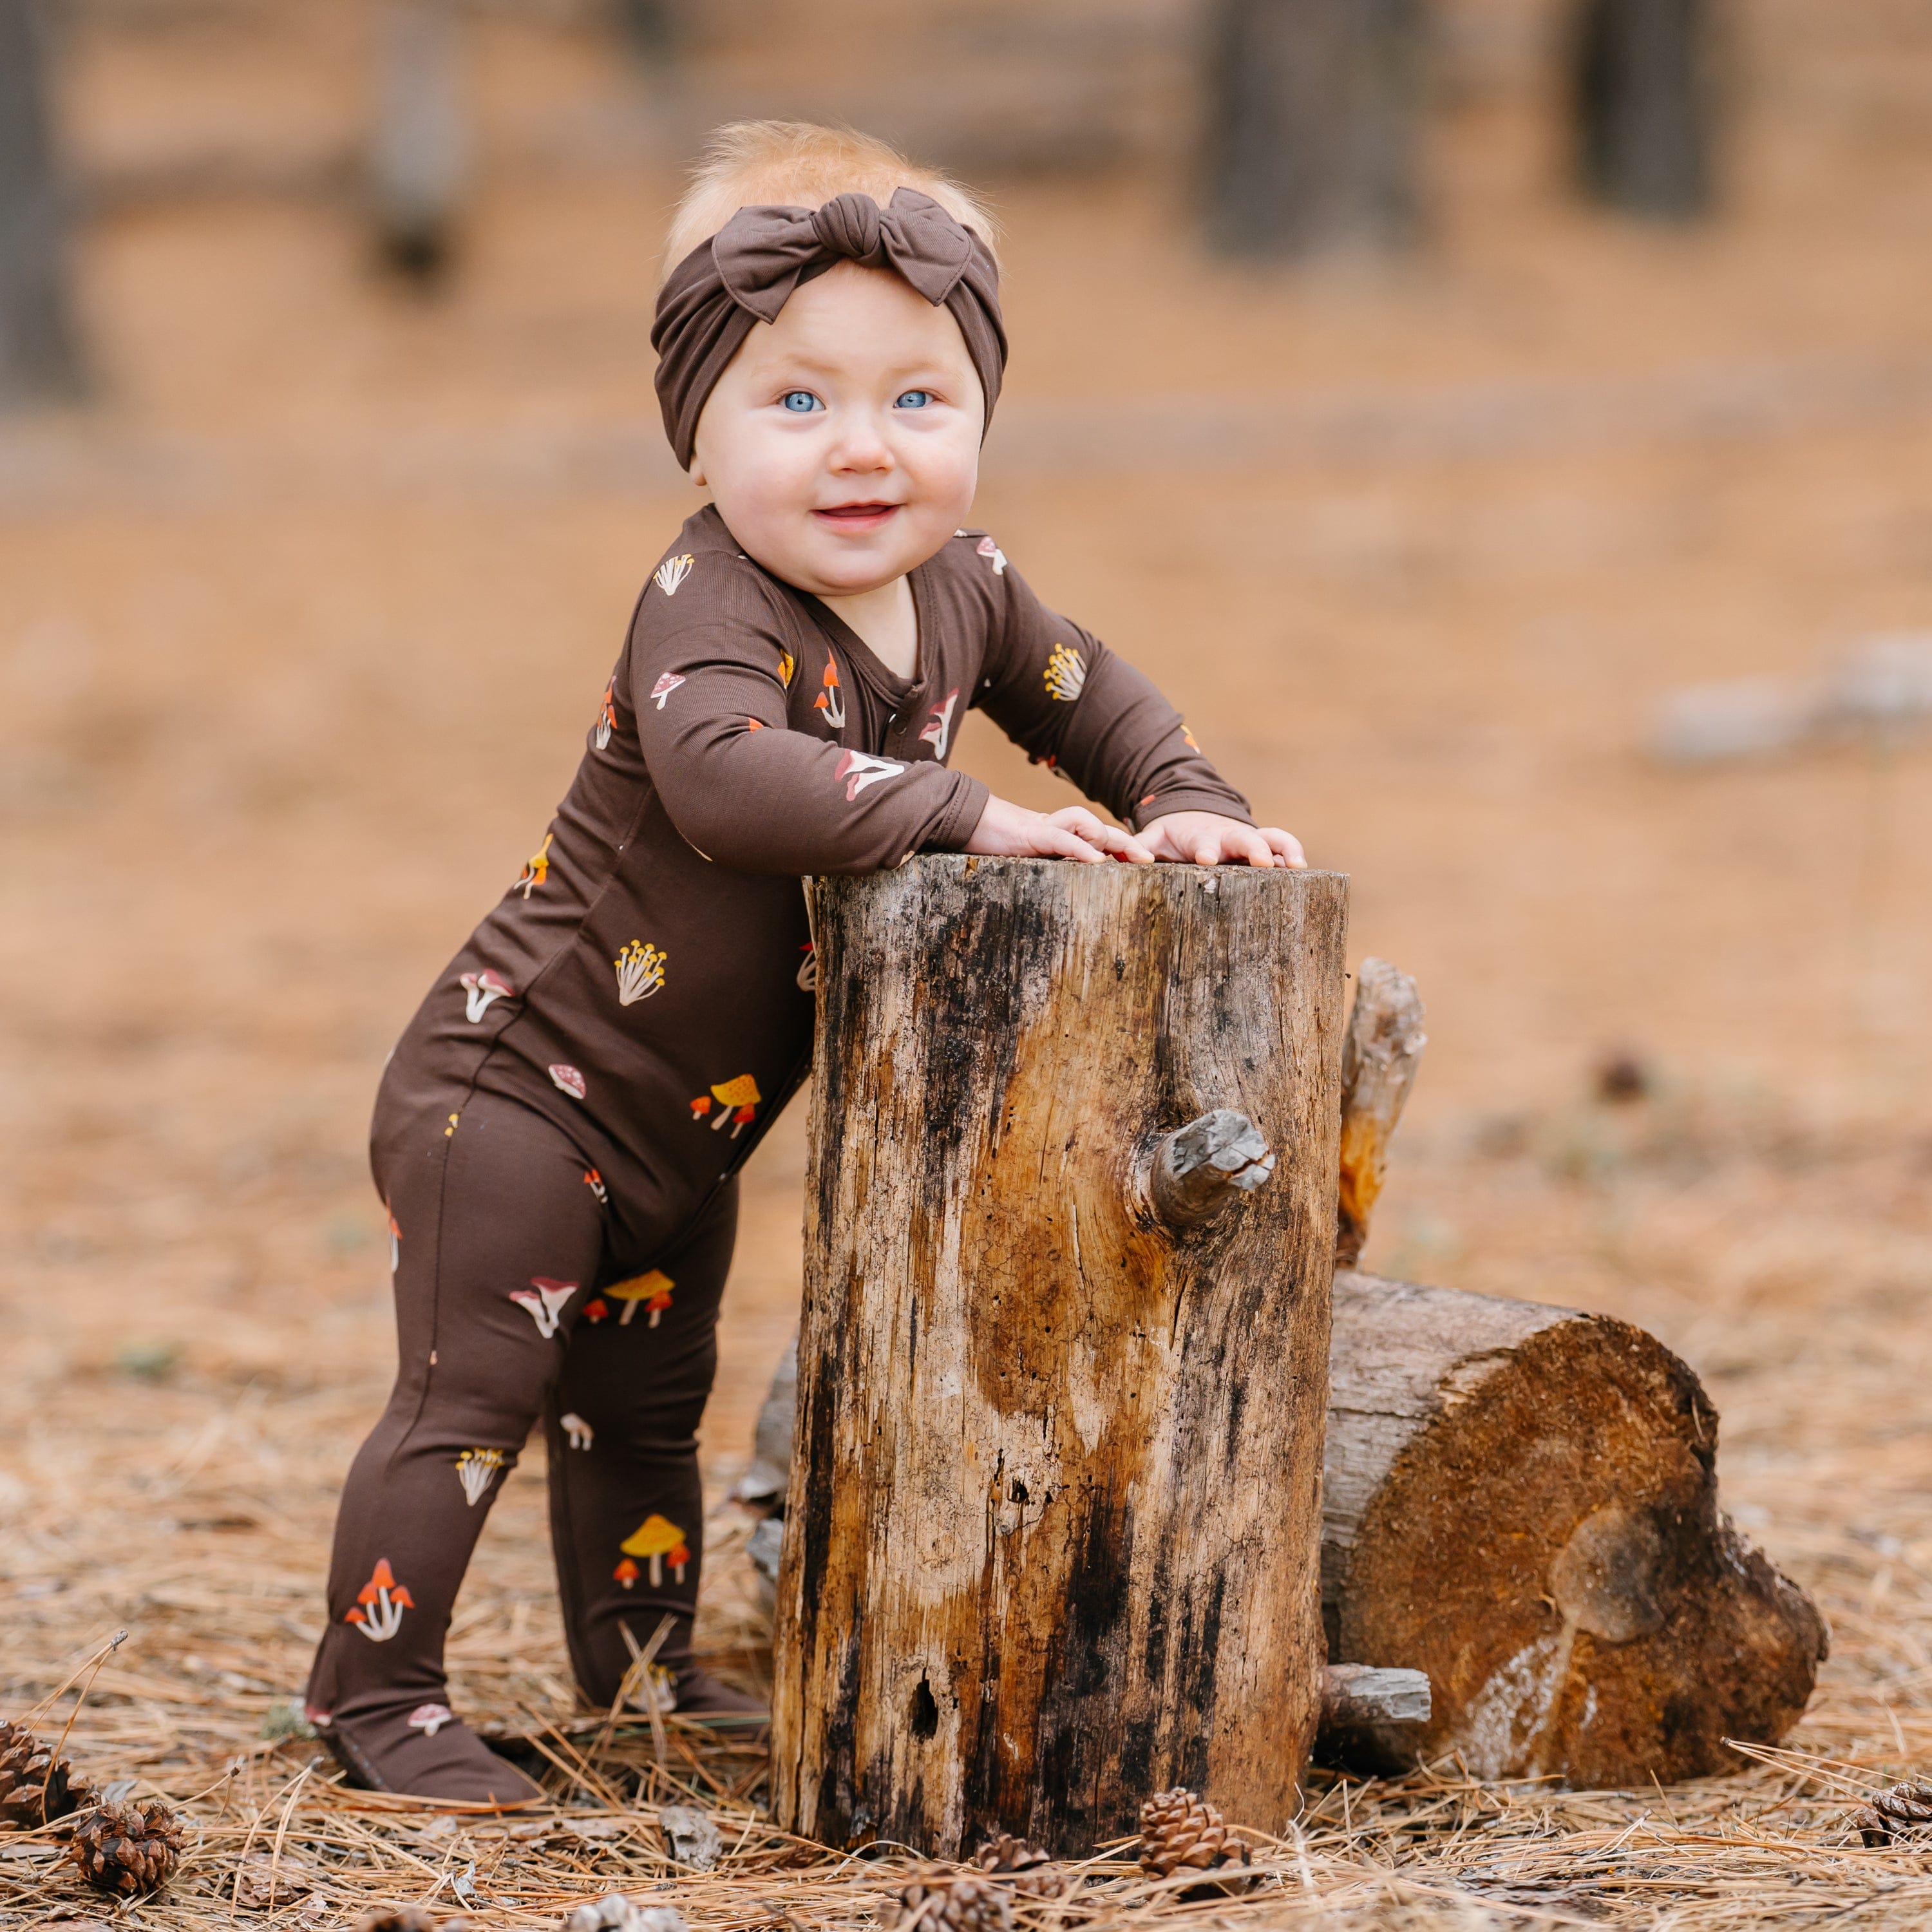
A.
x: 548, y: 1142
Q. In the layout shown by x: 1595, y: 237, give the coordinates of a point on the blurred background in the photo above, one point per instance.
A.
x: 1504, y: 426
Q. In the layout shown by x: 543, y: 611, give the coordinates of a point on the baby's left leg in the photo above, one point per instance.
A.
x: 627, y: 1508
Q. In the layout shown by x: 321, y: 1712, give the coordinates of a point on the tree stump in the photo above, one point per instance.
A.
x: 1052, y: 1540
x: 1521, y: 1502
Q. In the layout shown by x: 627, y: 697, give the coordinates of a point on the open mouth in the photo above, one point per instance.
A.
x: 858, y: 516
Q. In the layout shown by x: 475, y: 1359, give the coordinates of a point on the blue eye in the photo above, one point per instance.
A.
x: 913, y: 399
x: 800, y: 402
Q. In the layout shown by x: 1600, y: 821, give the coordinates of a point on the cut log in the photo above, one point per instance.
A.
x: 1521, y: 1502
x: 1051, y: 1536
x: 1379, y: 1061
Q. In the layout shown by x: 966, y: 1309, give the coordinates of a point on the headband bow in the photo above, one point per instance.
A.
x: 748, y: 271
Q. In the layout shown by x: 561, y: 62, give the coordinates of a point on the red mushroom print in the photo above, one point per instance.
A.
x: 939, y: 734
x: 377, y: 1612
x: 536, y: 869
x: 700, y: 1106
x: 626, y: 1573
x: 737, y: 1101
x: 577, y: 1431
x: 546, y: 1305
x: 677, y: 1558
x: 831, y: 700
x: 567, y: 1079
x: 989, y: 550
x: 606, y: 717
x: 808, y: 973
x: 654, y: 1539
x: 479, y: 989
x: 860, y: 769
x: 596, y: 1310
x: 653, y: 1289
x: 594, y: 1181
x: 665, y: 686
x: 431, y: 1718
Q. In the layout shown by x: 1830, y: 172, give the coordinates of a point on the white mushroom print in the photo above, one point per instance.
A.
x: 988, y: 548
x: 665, y: 686
x: 476, y: 1470
x: 1066, y: 673
x: 671, y: 573
x: 431, y: 1718
x: 566, y: 1079
x: 578, y: 1433
x: 479, y: 989
x: 606, y: 717
x: 831, y: 700
x: 860, y: 769
x: 395, y: 1239
x: 546, y: 1304
x: 808, y: 968
x: 939, y: 734
x: 377, y: 1611
x: 640, y: 972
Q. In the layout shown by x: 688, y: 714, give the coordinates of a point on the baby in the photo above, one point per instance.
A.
x: 558, y: 1133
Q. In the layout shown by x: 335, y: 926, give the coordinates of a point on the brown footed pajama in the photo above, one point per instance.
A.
x: 557, y: 1132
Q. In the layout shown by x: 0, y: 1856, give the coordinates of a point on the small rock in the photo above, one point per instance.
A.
x: 693, y: 1839
x: 614, y: 1912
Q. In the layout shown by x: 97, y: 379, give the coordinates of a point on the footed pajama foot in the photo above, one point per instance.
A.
x: 704, y: 1700
x: 424, y: 1752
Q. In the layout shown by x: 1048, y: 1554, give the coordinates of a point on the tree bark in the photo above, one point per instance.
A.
x: 1050, y: 1544
x: 1642, y: 87
x: 1379, y: 1061
x: 1521, y: 1502
x: 39, y: 358
x: 419, y: 157
x: 1313, y: 139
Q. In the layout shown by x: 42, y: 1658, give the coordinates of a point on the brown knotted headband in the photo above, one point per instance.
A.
x: 747, y: 272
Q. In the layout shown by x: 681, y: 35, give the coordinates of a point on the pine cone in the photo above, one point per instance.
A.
x: 1891, y: 1813
x: 1180, y: 1832
x: 36, y: 1787
x: 125, y: 1849
x: 1024, y: 1868
x: 938, y: 1900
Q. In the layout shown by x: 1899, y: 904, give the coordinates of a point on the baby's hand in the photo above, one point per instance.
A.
x: 1011, y: 832
x: 1206, y: 839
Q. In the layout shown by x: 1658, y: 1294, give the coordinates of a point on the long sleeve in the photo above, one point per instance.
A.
x: 1070, y: 704
x: 707, y: 675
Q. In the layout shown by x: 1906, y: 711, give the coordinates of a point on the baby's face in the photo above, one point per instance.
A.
x: 842, y: 445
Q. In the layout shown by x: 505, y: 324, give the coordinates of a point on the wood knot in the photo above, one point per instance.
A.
x: 1604, y: 1578
x: 1201, y: 1168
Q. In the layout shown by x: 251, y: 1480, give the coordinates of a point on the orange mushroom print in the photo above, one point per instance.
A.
x: 831, y: 700
x: 1066, y: 673
x: 653, y: 1289
x: 377, y: 1611
x: 860, y: 769
x: 596, y: 1311
x: 939, y: 734
x: 476, y: 1470
x: 671, y: 573
x: 546, y: 1303
x: 640, y: 972
x: 994, y: 555
x: 577, y: 1432
x: 536, y: 869
x: 431, y: 1718
x: 658, y: 1540
x: 665, y: 686
x: 606, y: 717
x: 395, y: 1239
x: 566, y: 1079
x: 480, y: 988
x: 737, y: 1101
x: 594, y: 1181
x: 1188, y: 738
x: 626, y: 1573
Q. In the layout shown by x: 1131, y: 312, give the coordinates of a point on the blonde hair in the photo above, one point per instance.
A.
x: 793, y: 164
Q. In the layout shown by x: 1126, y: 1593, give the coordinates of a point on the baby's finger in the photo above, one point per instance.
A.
x: 1055, y: 842
x: 1285, y: 845
x: 1249, y: 847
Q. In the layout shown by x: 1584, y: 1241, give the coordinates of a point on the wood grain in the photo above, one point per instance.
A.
x: 1051, y: 1536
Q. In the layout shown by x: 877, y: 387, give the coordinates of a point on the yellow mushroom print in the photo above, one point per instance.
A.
x: 476, y: 1470
x: 640, y: 972
x: 787, y: 664
x: 1066, y: 673
x: 671, y: 573
x: 737, y: 1101
x: 657, y: 1540
x: 653, y: 1289
x: 536, y: 869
